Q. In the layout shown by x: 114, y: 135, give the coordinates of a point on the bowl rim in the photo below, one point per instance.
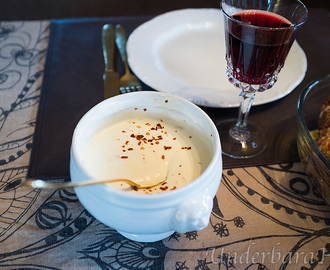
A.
x: 301, y: 119
x: 273, y: 29
x: 190, y: 187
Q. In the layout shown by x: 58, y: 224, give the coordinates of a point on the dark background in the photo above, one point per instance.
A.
x: 51, y: 9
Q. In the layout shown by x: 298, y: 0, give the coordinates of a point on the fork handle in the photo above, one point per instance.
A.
x: 121, y: 43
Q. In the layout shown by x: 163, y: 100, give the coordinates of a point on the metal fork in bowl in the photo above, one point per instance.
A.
x: 128, y: 82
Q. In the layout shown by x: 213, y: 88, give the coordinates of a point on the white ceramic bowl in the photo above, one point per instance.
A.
x: 145, y: 217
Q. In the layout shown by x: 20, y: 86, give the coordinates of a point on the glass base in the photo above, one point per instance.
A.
x: 242, y: 148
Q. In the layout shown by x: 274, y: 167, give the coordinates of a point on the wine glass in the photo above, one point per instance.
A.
x: 258, y: 36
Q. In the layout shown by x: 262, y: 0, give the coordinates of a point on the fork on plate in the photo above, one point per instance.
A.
x: 128, y: 82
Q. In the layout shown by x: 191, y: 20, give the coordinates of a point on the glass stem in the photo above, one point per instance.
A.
x: 240, y: 131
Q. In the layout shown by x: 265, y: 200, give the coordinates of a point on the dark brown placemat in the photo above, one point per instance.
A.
x: 73, y: 84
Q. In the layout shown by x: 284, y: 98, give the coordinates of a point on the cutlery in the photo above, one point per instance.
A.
x: 128, y: 82
x: 38, y: 183
x: 110, y: 76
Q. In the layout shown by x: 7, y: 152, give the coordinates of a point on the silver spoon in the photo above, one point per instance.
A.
x: 38, y: 183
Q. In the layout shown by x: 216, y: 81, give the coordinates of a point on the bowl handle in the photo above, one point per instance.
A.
x: 194, y: 214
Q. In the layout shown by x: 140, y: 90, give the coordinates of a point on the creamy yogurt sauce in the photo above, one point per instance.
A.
x: 146, y: 150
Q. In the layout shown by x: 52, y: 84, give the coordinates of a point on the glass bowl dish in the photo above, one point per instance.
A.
x: 316, y: 165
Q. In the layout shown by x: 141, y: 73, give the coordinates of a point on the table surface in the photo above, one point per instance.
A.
x: 264, y: 217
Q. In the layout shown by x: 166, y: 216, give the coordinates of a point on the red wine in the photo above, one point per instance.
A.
x: 257, y: 53
x: 262, y: 18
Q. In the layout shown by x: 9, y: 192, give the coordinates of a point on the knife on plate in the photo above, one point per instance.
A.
x: 110, y: 76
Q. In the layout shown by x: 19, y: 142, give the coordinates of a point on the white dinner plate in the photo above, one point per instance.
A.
x: 182, y: 52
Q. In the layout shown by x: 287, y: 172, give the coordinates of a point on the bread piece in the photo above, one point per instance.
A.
x: 324, y: 145
x: 324, y: 118
x: 323, y: 141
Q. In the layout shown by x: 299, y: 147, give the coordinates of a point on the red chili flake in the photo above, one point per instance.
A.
x: 123, y: 157
x: 142, y: 148
x: 159, y: 137
x: 159, y: 125
x: 166, y: 100
x: 185, y: 147
x: 123, y: 131
x: 150, y: 140
x: 139, y: 137
x: 211, y: 135
x: 167, y: 147
x: 123, y: 146
x: 124, y: 150
x: 126, y: 142
x: 163, y: 188
x: 156, y: 142
x: 148, y: 124
x: 180, y: 165
x: 145, y: 109
x: 132, y: 135
x: 179, y: 173
x: 130, y: 149
x: 173, y: 188
x: 164, y: 183
x: 139, y: 143
x: 147, y: 133
x: 138, y: 126
x: 163, y: 157
x: 174, y: 139
x: 135, y: 109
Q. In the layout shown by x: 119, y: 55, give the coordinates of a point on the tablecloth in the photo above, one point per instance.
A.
x: 264, y: 217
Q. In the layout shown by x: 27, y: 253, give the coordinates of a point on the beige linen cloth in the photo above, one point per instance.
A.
x: 265, y: 217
